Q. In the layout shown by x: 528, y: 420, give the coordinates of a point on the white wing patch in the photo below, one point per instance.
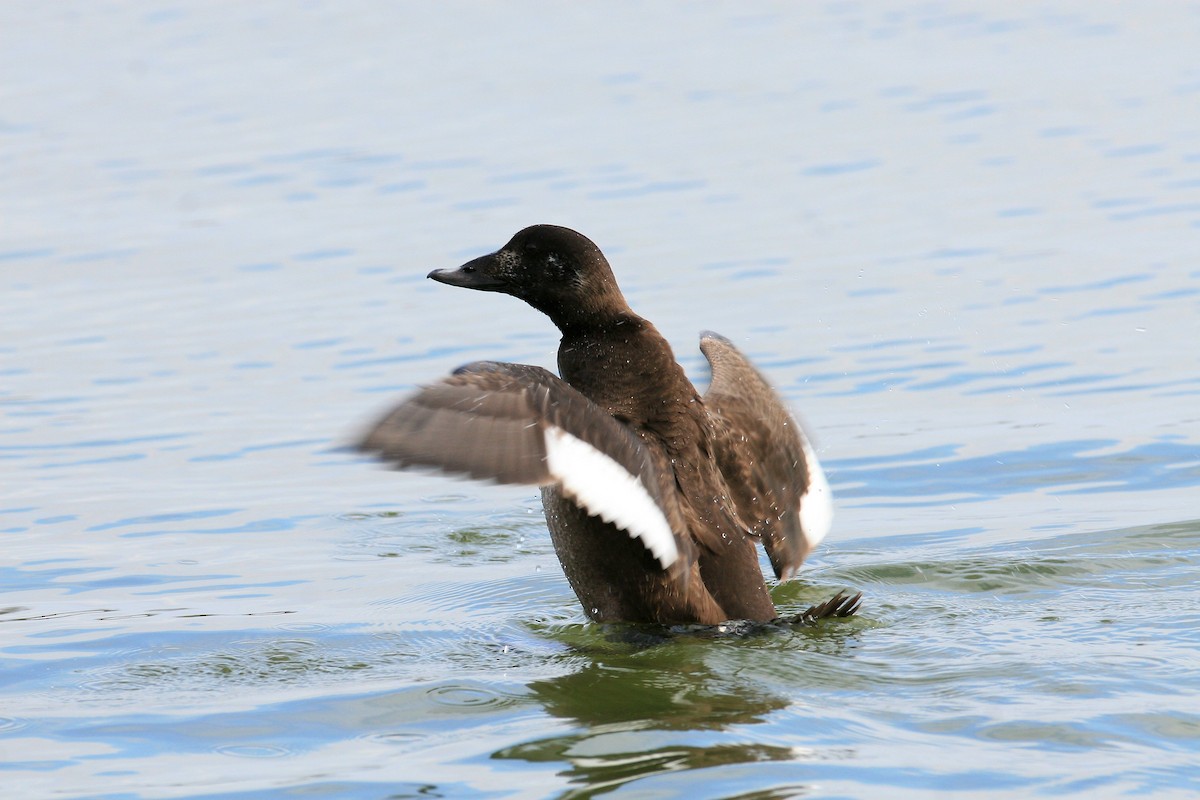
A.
x: 816, y: 504
x: 607, y: 490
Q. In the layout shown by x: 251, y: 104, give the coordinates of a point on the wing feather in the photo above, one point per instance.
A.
x: 778, y: 484
x: 518, y: 424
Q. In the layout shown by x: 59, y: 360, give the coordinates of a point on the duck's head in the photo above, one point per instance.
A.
x: 558, y: 271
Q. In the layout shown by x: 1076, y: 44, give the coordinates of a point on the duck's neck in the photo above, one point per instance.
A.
x: 600, y: 307
x: 626, y: 367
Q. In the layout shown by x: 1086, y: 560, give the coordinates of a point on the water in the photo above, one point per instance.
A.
x: 961, y: 239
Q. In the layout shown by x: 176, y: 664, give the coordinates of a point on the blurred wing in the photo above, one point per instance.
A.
x: 778, y: 484
x: 518, y: 424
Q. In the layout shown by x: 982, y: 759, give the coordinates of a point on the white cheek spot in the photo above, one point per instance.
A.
x: 507, y: 262
x: 816, y: 504
x: 605, y: 489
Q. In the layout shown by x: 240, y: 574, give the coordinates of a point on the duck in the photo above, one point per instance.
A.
x: 656, y: 497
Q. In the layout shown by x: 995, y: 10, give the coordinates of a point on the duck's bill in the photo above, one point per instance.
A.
x: 475, y: 274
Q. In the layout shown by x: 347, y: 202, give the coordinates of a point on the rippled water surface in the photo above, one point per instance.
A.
x: 963, y: 239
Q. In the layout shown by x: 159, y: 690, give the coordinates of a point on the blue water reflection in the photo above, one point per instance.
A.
x: 971, y: 271
x: 1060, y: 468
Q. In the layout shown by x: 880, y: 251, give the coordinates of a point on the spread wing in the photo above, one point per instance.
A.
x: 518, y: 424
x: 777, y: 482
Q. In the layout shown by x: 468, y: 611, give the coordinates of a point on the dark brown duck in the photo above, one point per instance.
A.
x: 654, y: 495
